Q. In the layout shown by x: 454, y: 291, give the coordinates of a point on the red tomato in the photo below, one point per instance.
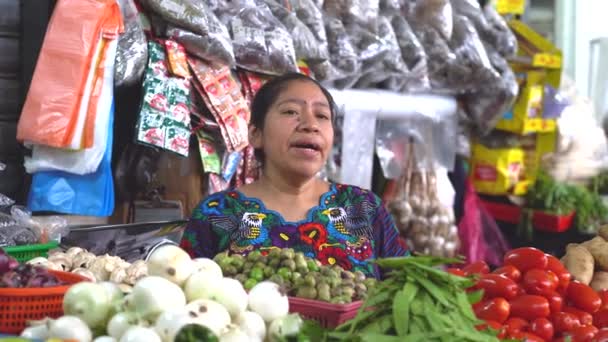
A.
x: 495, y: 285
x: 456, y: 271
x: 540, y: 282
x: 556, y: 301
x: 515, y: 324
x: 542, y: 327
x: 478, y: 267
x: 600, y: 319
x: 526, y: 258
x: 492, y: 325
x: 563, y: 322
x: 583, y: 333
x: 509, y: 271
x: 527, y: 337
x: 601, y: 336
x: 496, y: 309
x: 583, y: 297
x: 555, y: 266
x: 584, y: 317
x: 604, y: 297
x: 530, y: 307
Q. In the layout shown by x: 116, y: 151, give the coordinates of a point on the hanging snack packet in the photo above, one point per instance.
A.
x: 361, y: 13
x: 225, y: 136
x: 223, y: 96
x: 209, y: 155
x: 164, y: 117
x: 178, y: 65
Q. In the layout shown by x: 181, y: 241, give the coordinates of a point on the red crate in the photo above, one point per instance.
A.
x: 326, y: 314
x: 540, y: 220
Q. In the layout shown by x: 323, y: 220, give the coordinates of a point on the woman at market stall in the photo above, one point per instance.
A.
x: 292, y: 131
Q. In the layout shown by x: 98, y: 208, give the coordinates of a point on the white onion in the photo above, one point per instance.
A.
x: 208, y: 266
x: 209, y: 314
x: 153, y: 295
x: 69, y: 328
x: 267, y: 300
x: 105, y: 339
x: 200, y: 286
x: 120, y: 323
x: 36, y: 332
x: 253, y: 325
x: 171, y: 263
x: 169, y: 324
x: 234, y: 334
x: 286, y: 326
x: 231, y: 294
x: 140, y: 334
x: 89, y: 302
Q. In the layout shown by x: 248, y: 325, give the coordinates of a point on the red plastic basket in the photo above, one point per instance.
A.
x: 19, y: 305
x: 326, y: 314
x: 540, y: 220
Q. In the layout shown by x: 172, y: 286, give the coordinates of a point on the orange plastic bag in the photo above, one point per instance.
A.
x: 50, y: 112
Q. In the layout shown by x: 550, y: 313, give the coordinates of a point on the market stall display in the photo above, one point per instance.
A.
x: 177, y: 292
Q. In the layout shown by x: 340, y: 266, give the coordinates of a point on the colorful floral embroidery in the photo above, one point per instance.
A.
x: 349, y: 227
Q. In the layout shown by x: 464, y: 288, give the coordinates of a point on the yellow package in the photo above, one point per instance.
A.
x: 496, y: 171
x: 526, y: 116
x: 509, y: 170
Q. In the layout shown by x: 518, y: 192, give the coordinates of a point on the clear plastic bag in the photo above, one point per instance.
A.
x: 361, y: 13
x: 358, y: 154
x: 391, y: 65
x: 441, y: 60
x: 436, y: 14
x: 499, y: 35
x: 491, y: 27
x: 344, y: 60
x: 215, y: 46
x: 390, y: 7
x: 310, y: 14
x: 474, y: 67
x: 261, y: 43
x: 413, y: 55
x: 305, y: 43
x: 192, y: 15
x: 132, y: 53
x: 494, y: 97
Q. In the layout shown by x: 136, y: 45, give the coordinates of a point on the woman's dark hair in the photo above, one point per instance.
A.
x: 270, y: 92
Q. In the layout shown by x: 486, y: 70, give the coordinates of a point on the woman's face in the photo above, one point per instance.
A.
x: 297, y: 136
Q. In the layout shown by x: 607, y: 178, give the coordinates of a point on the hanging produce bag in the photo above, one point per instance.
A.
x: 164, y: 118
x: 132, y: 52
x: 87, y: 195
x: 51, y: 110
x: 45, y: 158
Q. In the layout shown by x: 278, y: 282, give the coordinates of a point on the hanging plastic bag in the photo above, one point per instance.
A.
x: 436, y: 14
x: 494, y: 97
x: 52, y: 105
x: 192, y: 15
x: 413, y: 54
x: 214, y: 47
x: 87, y: 195
x: 344, y: 61
x: 361, y: 13
x: 390, y: 65
x: 132, y: 52
x: 45, y: 158
x: 492, y: 27
x: 357, y: 157
x: 261, y: 42
x: 474, y: 67
x: 306, y: 45
x: 310, y: 14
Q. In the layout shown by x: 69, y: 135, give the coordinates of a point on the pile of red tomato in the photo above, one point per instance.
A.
x: 532, y: 298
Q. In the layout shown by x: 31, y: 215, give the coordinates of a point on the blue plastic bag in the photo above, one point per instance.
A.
x: 87, y: 195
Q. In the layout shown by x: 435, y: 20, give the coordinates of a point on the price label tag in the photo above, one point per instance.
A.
x: 547, y: 60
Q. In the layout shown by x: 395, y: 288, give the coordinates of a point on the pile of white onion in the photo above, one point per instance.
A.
x: 178, y: 291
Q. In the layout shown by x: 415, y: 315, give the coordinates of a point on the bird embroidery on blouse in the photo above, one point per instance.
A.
x: 249, y: 228
x: 337, y: 223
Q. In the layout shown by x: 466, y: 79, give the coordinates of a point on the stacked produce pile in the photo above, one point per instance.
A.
x: 301, y: 276
x: 588, y: 262
x: 95, y: 268
x: 181, y: 299
x: 533, y: 297
x: 417, y: 302
x: 14, y: 275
